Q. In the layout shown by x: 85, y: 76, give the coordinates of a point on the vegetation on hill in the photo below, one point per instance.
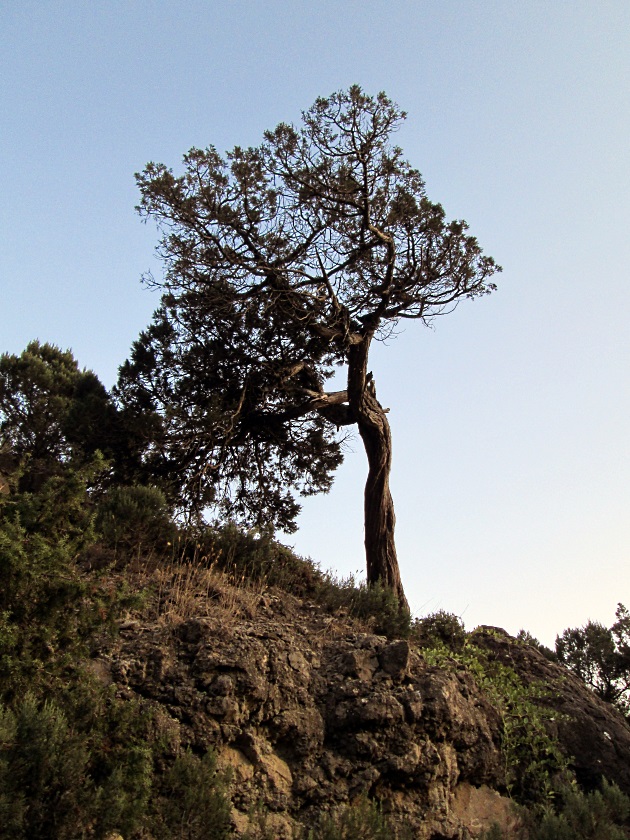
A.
x: 79, y: 550
x: 282, y: 262
x: 600, y: 656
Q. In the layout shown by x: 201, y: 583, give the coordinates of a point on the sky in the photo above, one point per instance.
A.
x: 510, y: 416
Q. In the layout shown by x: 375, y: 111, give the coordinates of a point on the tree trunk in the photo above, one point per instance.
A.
x: 371, y: 418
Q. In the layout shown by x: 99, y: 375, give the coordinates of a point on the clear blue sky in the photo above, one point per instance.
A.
x: 511, y: 417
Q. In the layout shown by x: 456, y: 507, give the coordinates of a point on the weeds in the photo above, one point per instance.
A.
x: 599, y: 815
x: 362, y: 820
x: 535, y: 767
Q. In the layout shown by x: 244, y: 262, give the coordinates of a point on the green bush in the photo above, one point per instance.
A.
x: 44, y: 789
x: 526, y: 638
x: 136, y: 520
x: 41, y: 600
x: 193, y: 803
x: 124, y: 796
x: 49, y: 610
x: 599, y: 815
x: 256, y: 557
x: 535, y: 767
x: 440, y: 628
x: 91, y: 769
x: 363, y: 820
x: 380, y: 606
x: 574, y: 815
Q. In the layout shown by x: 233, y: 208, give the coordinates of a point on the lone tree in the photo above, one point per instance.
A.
x: 282, y: 261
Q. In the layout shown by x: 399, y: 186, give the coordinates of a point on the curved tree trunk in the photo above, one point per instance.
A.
x: 380, y: 549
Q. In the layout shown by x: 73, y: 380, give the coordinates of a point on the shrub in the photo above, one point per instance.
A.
x: 136, y: 519
x: 440, y: 628
x: 526, y: 638
x: 255, y: 556
x: 43, y: 783
x: 535, y: 767
x: 363, y: 820
x: 124, y: 795
x: 599, y: 815
x: 193, y: 804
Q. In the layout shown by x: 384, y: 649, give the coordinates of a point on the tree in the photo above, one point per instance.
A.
x: 282, y: 261
x: 600, y: 656
x: 54, y: 415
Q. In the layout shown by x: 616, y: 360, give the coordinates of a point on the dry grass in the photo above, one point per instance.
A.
x: 197, y: 589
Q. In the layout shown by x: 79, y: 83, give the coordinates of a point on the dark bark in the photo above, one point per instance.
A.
x: 380, y: 520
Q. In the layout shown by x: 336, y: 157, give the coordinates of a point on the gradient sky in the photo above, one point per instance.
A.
x: 510, y: 416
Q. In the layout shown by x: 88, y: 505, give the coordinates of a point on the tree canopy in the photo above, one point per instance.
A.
x: 600, y: 656
x: 281, y: 262
x: 54, y: 415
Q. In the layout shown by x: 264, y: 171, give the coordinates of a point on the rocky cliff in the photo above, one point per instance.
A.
x: 310, y: 712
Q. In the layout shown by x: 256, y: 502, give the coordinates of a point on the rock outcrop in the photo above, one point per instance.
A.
x: 309, y: 713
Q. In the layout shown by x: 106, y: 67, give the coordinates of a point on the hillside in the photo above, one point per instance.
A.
x: 159, y: 682
x: 311, y: 712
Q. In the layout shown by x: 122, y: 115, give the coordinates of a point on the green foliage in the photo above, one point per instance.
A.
x: 39, y: 598
x: 98, y: 775
x: 574, y: 815
x: 600, y: 656
x: 599, y: 815
x: 380, y: 604
x: 440, y: 629
x: 75, y: 761
x: 43, y: 787
x: 47, y: 608
x: 193, y: 803
x: 363, y: 820
x: 40, y: 591
x: 257, y: 557
x: 535, y: 767
x: 58, y: 781
x: 55, y: 417
x: 50, y: 411
x: 135, y: 520
x: 123, y: 799
x: 60, y: 509
x: 376, y: 604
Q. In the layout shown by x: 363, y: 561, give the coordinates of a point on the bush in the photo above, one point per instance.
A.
x: 43, y: 784
x: 363, y: 820
x: 136, y: 520
x: 599, y: 815
x: 255, y: 556
x: 440, y: 628
x: 97, y: 776
x: 193, y: 804
x: 535, y: 767
x: 526, y: 638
